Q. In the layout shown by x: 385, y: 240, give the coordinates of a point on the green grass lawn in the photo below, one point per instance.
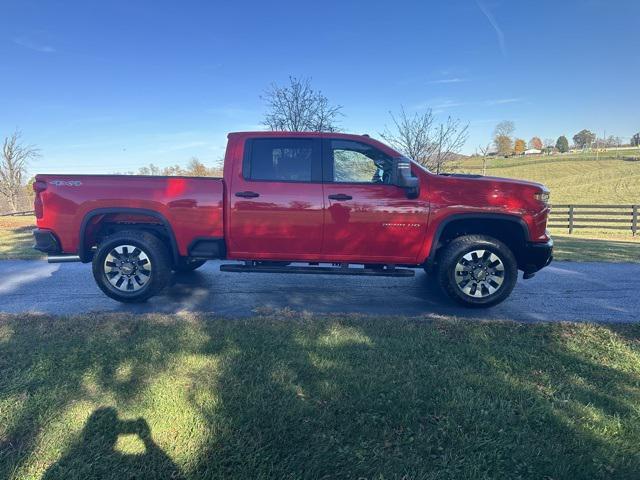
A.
x: 289, y: 396
x: 16, y: 240
x: 596, y: 247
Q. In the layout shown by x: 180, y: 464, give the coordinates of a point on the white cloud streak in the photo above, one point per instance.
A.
x: 31, y: 45
x: 492, y: 21
x: 449, y: 80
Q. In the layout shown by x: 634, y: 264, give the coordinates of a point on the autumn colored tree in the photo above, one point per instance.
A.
x: 536, y: 143
x: 519, y: 146
x: 502, y: 137
x: 562, y: 144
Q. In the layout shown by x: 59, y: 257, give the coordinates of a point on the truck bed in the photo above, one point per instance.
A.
x: 191, y: 206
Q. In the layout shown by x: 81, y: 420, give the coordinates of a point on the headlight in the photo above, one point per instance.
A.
x: 542, y: 197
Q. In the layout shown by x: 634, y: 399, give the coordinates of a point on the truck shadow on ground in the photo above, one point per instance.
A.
x: 206, y: 292
x: 286, y: 395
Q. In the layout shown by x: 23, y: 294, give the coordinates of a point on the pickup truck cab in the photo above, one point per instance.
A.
x: 323, y: 203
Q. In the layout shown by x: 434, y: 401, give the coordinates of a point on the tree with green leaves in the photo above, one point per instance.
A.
x: 584, y: 138
x: 562, y: 144
x: 635, y: 140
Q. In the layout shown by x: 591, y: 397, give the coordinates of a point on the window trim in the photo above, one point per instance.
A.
x: 327, y: 163
x: 316, y: 160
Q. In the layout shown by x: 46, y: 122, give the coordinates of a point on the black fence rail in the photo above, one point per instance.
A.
x: 601, y: 217
x: 18, y: 214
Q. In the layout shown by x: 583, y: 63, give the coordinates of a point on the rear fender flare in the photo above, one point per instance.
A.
x: 85, y: 254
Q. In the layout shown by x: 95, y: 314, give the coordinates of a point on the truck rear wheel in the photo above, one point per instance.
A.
x: 477, y: 270
x: 131, y: 266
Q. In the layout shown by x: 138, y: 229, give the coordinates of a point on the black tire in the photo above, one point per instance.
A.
x: 188, y: 265
x: 152, y: 249
x: 452, y: 282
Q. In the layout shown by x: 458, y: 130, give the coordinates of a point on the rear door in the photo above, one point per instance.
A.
x: 276, y: 200
x: 367, y: 219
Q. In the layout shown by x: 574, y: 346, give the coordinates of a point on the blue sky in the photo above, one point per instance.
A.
x: 104, y: 86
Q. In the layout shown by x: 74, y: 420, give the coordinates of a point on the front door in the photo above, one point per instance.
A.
x: 367, y: 219
x: 276, y: 201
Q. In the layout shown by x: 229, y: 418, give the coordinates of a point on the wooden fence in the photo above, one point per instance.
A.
x: 18, y: 214
x: 601, y: 217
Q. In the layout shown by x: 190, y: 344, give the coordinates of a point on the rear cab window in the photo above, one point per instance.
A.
x: 282, y: 160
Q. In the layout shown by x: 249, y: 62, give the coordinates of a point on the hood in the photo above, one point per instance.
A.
x: 481, y: 180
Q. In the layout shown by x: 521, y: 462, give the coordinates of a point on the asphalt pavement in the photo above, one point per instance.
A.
x: 564, y: 291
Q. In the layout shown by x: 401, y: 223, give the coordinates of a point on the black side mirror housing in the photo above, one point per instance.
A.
x: 402, y: 177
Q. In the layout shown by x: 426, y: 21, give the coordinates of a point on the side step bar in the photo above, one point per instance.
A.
x: 369, y: 272
x: 63, y: 258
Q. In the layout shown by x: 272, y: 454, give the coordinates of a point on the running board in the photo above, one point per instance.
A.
x: 368, y: 272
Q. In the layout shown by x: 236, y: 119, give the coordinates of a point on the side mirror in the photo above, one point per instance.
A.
x: 403, y: 179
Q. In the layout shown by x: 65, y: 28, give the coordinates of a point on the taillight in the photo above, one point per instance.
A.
x: 39, y: 187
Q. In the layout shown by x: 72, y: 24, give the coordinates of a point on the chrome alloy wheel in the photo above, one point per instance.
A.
x: 127, y: 268
x: 479, y: 273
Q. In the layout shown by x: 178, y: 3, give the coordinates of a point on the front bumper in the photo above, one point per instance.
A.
x: 46, y: 241
x: 536, y: 256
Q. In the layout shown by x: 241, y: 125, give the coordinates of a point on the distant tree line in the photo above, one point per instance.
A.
x: 504, y: 143
x: 194, y: 168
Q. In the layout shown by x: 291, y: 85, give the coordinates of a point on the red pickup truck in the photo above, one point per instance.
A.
x: 291, y: 202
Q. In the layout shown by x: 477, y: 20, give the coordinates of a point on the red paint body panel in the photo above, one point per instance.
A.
x: 192, y: 206
x: 293, y: 220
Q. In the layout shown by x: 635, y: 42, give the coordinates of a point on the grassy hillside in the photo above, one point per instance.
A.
x: 573, y: 178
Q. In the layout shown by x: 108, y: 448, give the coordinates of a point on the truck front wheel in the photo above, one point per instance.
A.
x: 131, y: 266
x: 477, y: 270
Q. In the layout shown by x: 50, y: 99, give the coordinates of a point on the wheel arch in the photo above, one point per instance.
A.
x: 510, y: 229
x: 84, y: 250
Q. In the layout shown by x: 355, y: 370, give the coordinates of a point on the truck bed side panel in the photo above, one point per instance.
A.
x: 192, y: 206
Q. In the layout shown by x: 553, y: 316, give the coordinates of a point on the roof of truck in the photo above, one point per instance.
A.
x: 345, y: 136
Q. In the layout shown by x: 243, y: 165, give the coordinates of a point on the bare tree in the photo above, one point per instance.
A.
x: 506, y: 127
x: 450, y: 138
x: 484, y: 151
x: 297, y: 107
x: 13, y: 165
x: 419, y: 137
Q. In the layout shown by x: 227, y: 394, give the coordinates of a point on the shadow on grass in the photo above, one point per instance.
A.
x: 288, y: 396
x: 95, y: 454
x: 590, y: 250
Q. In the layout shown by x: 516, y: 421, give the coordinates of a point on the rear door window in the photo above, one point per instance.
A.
x: 282, y: 160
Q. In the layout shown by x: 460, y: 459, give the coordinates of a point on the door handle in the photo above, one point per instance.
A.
x: 247, y: 194
x: 340, y: 197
